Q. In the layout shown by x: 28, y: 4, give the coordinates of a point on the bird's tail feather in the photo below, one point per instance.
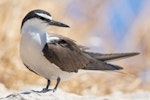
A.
x: 113, y: 56
x: 99, y: 62
x: 100, y: 65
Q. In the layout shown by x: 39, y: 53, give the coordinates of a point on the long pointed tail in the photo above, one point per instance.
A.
x: 100, y: 65
x: 113, y: 56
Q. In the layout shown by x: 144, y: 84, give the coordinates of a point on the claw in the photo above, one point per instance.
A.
x: 45, y: 90
x: 54, y: 90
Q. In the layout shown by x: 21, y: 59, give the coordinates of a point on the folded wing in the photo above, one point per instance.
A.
x: 70, y: 57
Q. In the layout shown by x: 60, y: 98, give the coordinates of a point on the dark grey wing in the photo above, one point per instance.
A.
x: 100, y: 65
x: 70, y: 57
x: 65, y: 54
x: 108, y: 57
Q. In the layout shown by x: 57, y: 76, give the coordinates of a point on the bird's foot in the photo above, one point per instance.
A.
x: 44, y: 90
x: 54, y: 89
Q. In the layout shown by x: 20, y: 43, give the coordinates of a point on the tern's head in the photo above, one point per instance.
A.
x: 39, y: 19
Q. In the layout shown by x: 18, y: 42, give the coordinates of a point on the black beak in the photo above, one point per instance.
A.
x: 55, y: 23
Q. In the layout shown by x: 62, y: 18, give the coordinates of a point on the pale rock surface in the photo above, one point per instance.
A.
x: 6, y: 94
x: 58, y: 95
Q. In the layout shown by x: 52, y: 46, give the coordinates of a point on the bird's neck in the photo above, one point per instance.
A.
x: 33, y: 35
x: 35, y: 26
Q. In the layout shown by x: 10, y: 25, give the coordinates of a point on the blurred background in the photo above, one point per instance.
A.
x: 105, y: 26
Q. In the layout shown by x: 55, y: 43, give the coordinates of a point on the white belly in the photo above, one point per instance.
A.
x: 32, y: 56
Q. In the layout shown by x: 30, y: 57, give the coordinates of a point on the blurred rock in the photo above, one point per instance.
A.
x: 4, y: 91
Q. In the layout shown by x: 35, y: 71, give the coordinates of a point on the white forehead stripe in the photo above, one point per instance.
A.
x: 44, y: 15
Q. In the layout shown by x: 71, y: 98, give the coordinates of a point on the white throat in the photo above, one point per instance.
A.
x: 34, y: 24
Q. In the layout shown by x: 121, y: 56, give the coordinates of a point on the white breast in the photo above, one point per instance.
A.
x: 31, y: 47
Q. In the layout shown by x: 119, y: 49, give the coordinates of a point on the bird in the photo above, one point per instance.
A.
x: 56, y: 57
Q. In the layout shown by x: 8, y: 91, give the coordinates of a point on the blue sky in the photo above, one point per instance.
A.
x: 123, y: 15
x: 120, y: 16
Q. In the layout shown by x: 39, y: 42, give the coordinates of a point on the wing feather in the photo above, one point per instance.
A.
x: 70, y: 57
x: 65, y: 54
x: 112, y: 56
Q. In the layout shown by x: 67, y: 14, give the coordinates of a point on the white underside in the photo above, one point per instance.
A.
x: 31, y: 53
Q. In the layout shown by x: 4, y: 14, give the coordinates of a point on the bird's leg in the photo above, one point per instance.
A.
x: 58, y: 81
x: 44, y: 89
x: 47, y: 86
